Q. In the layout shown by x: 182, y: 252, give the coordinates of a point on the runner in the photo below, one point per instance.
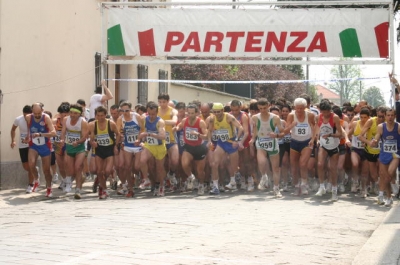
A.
x: 227, y: 144
x: 74, y: 134
x: 154, y: 146
x: 23, y: 147
x: 40, y: 130
x: 329, y: 131
x: 389, y: 133
x: 301, y: 125
x: 194, y: 132
x: 130, y: 124
x: 266, y: 137
x: 98, y: 99
x: 103, y: 138
x: 59, y: 147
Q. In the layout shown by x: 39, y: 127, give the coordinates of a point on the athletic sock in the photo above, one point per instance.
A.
x: 233, y: 180
x: 215, y: 182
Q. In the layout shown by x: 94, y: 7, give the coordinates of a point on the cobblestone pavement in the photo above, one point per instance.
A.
x: 234, y: 228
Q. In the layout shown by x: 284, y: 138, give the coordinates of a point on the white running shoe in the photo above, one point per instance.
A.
x: 68, y: 184
x: 341, y: 188
x: 231, y: 186
x: 196, y: 184
x: 334, y: 196
x: 277, y: 192
x: 29, y: 189
x: 321, y: 191
x: 380, y: 200
x: 328, y: 187
x: 395, y: 188
x: 250, y: 185
x: 55, y: 178
x: 200, y: 190
x: 190, y: 182
x: 389, y: 202
x: 304, y: 189
x: 243, y: 185
x: 263, y: 182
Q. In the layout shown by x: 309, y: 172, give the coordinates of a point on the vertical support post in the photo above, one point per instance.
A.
x: 392, y: 49
x: 308, y: 76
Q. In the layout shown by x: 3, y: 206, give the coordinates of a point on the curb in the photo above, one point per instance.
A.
x: 383, y: 246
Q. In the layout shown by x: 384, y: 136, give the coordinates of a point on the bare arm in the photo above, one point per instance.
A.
x: 116, y: 132
x: 52, y: 130
x: 174, y: 118
x: 63, y: 130
x: 237, y: 125
x: 364, y: 130
x: 108, y: 95
x: 13, y: 143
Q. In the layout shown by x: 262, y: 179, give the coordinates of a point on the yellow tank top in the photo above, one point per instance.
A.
x: 355, y: 142
x: 371, y: 134
x: 103, y: 137
x: 169, y: 135
x: 222, y: 130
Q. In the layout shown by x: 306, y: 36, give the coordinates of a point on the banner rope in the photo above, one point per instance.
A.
x: 245, y: 81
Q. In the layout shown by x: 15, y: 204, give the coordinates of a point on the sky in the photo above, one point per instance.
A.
x: 318, y: 72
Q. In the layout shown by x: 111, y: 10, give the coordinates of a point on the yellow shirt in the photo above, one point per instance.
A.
x: 169, y: 135
x: 222, y: 130
x: 371, y: 134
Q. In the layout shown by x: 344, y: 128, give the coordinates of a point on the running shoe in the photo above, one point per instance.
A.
x: 231, y: 186
x: 68, y: 184
x: 395, y: 188
x: 55, y: 177
x: 36, y: 185
x: 196, y: 184
x: 77, y: 195
x: 285, y: 187
x: 328, y: 187
x: 277, y: 192
x: 250, y: 184
x: 354, y: 187
x: 29, y: 189
x: 95, y: 185
x: 103, y: 195
x: 62, y: 185
x: 160, y: 192
x: 263, y: 182
x: 221, y: 188
x: 130, y: 194
x: 341, y: 188
x: 321, y: 191
x: 146, y: 184
x: 304, y: 189
x: 49, y: 193
x: 214, y: 191
x: 243, y: 185
x: 190, y: 182
x: 389, y: 202
x: 334, y: 196
x: 200, y: 190
x: 183, y: 186
x: 364, y: 193
x: 297, y: 190
x: 381, y: 200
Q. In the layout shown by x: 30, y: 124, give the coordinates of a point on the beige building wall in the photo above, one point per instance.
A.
x: 187, y: 93
x: 47, y: 55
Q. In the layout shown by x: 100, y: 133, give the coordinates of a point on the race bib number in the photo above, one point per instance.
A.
x: 167, y: 138
x: 57, y: 138
x: 39, y: 140
x: 379, y: 146
x: 390, y: 146
x: 181, y: 140
x: 266, y: 143
x: 22, y: 138
x: 131, y: 139
x: 222, y: 135
x: 356, y: 143
x: 302, y: 130
x: 189, y: 136
x: 103, y: 140
x: 287, y: 138
x: 151, y: 140
x: 72, y: 137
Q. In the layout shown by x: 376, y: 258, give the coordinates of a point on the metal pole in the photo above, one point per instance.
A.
x: 308, y: 77
x: 360, y: 90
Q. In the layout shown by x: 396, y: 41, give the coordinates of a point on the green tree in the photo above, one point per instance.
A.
x: 349, y: 90
x: 373, y: 96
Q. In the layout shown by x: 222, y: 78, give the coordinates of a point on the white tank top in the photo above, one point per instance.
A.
x: 73, y: 131
x: 302, y: 130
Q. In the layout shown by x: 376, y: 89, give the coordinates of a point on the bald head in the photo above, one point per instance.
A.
x: 37, y: 110
x: 205, y: 110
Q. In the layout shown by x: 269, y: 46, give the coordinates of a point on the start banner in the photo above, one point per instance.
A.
x: 248, y: 33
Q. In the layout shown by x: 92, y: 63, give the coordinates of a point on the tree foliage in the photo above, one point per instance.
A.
x: 373, y: 96
x: 349, y: 90
x: 243, y: 72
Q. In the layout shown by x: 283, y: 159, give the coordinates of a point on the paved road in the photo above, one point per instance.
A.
x: 233, y: 228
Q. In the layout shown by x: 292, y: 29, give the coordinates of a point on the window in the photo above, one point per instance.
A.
x: 142, y: 85
x: 162, y: 87
x: 97, y: 70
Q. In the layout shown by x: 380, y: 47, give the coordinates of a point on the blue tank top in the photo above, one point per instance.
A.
x: 390, y: 143
x: 39, y: 127
x: 151, y: 127
x: 131, y: 132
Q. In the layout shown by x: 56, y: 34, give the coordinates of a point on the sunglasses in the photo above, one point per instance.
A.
x: 124, y: 110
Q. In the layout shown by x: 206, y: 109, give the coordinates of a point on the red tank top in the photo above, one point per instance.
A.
x: 191, y: 139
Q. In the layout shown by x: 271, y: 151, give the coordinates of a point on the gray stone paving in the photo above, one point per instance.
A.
x: 233, y: 228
